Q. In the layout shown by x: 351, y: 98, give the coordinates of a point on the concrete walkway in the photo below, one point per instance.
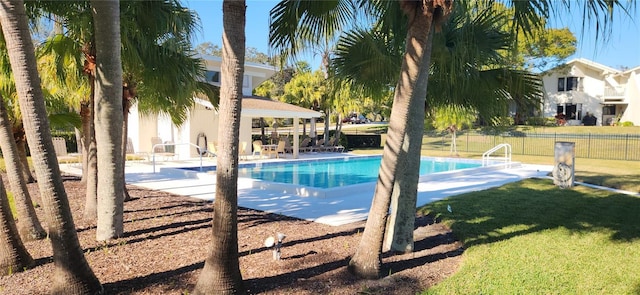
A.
x: 333, y: 208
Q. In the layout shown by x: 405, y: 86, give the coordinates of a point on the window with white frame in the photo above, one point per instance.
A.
x: 567, y: 84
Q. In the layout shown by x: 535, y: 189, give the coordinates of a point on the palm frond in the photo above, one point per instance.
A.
x: 295, y: 25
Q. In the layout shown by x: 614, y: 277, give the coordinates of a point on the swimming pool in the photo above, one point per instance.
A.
x: 338, y: 176
x: 339, y: 172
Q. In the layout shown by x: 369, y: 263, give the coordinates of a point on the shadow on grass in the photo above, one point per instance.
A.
x: 536, y: 205
x: 629, y: 182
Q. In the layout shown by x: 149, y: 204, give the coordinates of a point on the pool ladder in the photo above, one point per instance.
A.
x: 487, y: 158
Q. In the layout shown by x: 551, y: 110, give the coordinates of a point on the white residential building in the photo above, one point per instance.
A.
x: 582, y: 86
x: 203, y: 118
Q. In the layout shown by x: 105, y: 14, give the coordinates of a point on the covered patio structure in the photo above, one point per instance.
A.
x: 263, y: 107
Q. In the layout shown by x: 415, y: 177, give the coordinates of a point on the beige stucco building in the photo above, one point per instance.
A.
x: 203, y: 118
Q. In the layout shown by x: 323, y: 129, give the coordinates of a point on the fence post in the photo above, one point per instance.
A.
x: 626, y: 147
x: 589, y: 146
x: 523, y: 137
x: 468, y: 142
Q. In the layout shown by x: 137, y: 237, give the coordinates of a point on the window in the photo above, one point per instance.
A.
x: 572, y: 83
x: 560, y: 84
x: 213, y: 76
x: 567, y: 84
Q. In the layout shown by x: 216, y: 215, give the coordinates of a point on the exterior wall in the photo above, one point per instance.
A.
x: 143, y: 128
x: 632, y: 112
x: 202, y: 120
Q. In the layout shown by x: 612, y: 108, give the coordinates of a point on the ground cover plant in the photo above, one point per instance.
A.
x: 531, y: 237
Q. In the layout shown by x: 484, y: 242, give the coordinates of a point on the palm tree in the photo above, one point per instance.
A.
x: 108, y: 119
x: 74, y: 276
x: 14, y: 257
x: 467, y: 69
x: 294, y: 20
x: 161, y: 44
x: 29, y: 226
x: 221, y: 273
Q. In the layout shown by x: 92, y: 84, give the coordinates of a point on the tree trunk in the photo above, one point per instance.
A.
x: 366, y: 262
x: 127, y: 95
x: 21, y: 145
x: 13, y: 255
x: 29, y: 226
x: 91, y: 155
x: 108, y: 119
x: 72, y: 272
x: 87, y: 122
x: 401, y: 223
x: 221, y: 273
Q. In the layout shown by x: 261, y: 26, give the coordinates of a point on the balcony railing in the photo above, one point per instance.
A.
x: 614, y: 93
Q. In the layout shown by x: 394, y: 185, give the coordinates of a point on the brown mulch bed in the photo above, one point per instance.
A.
x: 167, y: 237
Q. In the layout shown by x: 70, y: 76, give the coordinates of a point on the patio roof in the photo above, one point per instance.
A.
x: 258, y: 106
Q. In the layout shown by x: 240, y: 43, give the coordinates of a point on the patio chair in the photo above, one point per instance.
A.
x: 333, y: 146
x: 131, y: 153
x: 165, y: 150
x: 287, y: 145
x: 211, y: 150
x: 279, y: 149
x: 242, y: 153
x: 319, y: 146
x: 304, y: 145
x: 257, y: 148
x: 60, y: 148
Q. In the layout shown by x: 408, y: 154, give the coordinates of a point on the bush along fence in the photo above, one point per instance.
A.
x: 591, y: 146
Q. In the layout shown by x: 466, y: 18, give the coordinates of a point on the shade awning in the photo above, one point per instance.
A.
x: 256, y: 107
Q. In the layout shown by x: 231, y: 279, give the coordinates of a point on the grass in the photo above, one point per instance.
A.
x: 531, y: 237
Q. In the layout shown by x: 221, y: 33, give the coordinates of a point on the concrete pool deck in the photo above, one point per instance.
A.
x: 332, y: 209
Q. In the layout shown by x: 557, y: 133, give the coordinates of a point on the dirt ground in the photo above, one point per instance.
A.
x: 167, y: 236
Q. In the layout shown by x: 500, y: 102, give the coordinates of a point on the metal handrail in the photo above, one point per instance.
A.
x: 153, y: 153
x: 507, y: 154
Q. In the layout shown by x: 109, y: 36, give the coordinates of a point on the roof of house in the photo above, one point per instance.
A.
x: 258, y: 106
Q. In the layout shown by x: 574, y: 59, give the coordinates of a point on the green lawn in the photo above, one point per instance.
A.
x: 531, y: 237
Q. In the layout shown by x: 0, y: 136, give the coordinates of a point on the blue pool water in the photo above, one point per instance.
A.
x: 330, y: 173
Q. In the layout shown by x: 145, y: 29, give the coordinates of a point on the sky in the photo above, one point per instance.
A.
x: 620, y: 49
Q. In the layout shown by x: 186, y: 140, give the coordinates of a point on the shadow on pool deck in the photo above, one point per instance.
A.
x: 334, y: 208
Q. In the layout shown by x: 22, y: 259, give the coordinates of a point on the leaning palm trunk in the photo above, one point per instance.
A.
x: 399, y: 230
x: 108, y: 119
x: 408, y: 103
x: 13, y: 255
x: 29, y: 226
x: 21, y: 145
x: 221, y: 273
x: 72, y: 272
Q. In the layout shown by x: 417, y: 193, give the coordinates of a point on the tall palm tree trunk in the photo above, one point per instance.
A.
x: 13, y: 255
x: 108, y: 119
x: 29, y: 226
x: 409, y: 93
x: 221, y: 273
x: 400, y: 226
x: 73, y: 274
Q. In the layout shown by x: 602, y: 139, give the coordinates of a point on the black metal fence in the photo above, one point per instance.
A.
x: 593, y: 146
